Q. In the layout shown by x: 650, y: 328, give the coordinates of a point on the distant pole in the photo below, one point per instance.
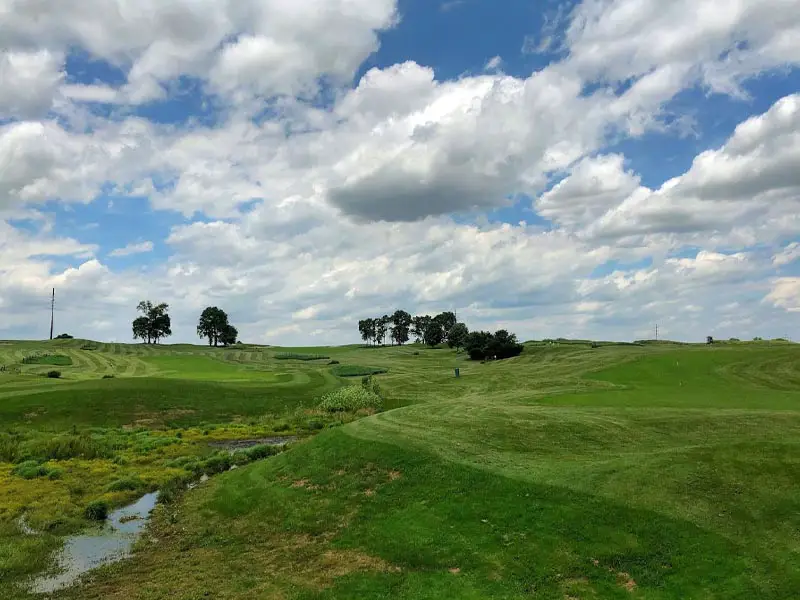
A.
x: 656, y: 331
x: 52, y: 312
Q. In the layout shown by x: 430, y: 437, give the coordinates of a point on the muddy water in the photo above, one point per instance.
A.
x: 108, y: 544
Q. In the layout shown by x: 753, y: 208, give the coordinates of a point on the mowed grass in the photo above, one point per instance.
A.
x: 653, y: 471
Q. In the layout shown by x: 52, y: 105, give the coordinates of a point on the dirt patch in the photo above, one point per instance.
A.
x: 625, y: 580
x: 300, y: 483
x: 369, y: 492
x: 454, y: 570
x: 394, y: 475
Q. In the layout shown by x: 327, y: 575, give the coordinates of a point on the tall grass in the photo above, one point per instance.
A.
x: 297, y: 356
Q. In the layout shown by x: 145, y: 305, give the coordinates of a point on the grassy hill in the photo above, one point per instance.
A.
x: 653, y: 471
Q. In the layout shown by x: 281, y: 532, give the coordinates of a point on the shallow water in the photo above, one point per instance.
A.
x: 107, y: 544
x: 234, y: 445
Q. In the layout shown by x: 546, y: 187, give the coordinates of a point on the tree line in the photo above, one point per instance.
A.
x: 155, y: 324
x: 436, y: 330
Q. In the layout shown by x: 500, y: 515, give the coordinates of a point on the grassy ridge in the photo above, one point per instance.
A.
x: 622, y: 471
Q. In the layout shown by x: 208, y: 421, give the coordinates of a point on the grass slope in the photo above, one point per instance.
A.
x: 653, y: 471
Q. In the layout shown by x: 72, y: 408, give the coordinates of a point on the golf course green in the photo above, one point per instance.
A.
x: 651, y: 471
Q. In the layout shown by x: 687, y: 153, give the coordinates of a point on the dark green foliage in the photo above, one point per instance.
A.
x: 356, y: 370
x: 126, y: 484
x: 709, y: 340
x: 261, y: 451
x: 30, y: 469
x: 401, y: 327
x: 482, y: 345
x: 108, y: 376
x: 458, y: 336
x: 214, y: 325
x: 315, y: 425
x: 298, y: 356
x: 64, y: 336
x: 154, y: 324
x: 54, y: 374
x: 96, y: 511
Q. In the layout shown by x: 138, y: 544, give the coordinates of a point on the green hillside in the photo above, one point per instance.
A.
x: 653, y: 471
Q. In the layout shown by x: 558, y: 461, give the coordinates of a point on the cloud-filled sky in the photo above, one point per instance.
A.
x: 580, y: 169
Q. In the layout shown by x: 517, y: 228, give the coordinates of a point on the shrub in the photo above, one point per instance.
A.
x: 108, y: 377
x: 54, y: 374
x: 350, y: 399
x: 96, y: 511
x: 55, y: 474
x: 356, y: 371
x: 416, y: 352
x: 315, y: 425
x: 261, y: 451
x: 282, y: 427
x: 64, y: 336
x: 30, y: 469
x: 126, y: 484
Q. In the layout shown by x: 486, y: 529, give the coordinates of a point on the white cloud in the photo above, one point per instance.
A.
x: 493, y: 64
x: 786, y: 293
x: 28, y: 82
x: 788, y: 255
x: 137, y: 248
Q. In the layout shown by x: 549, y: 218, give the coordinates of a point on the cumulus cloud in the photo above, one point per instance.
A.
x: 29, y: 81
x: 315, y: 213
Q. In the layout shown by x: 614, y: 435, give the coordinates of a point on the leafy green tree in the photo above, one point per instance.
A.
x: 458, y: 336
x: 212, y: 324
x: 381, y: 327
x: 155, y: 322
x: 141, y: 329
x: 401, y: 325
x: 418, y: 326
x: 446, y: 321
x: 434, y: 333
x: 228, y: 335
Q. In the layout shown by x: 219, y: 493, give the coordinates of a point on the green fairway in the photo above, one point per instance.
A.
x: 655, y: 471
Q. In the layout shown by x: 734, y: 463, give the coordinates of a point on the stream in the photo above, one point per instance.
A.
x: 109, y: 543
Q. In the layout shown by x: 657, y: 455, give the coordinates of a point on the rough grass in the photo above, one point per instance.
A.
x: 654, y: 471
x: 298, y: 356
x: 350, y: 398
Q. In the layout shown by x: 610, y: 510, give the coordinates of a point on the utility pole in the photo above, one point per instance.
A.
x: 52, y: 312
x: 656, y: 331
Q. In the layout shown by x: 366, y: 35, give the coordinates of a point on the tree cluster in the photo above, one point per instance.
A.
x: 214, y: 325
x: 482, y: 345
x: 155, y: 324
x: 400, y: 326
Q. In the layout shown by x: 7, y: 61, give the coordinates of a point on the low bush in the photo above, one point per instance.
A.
x: 350, y: 399
x: 30, y: 469
x: 126, y: 484
x: 108, y: 377
x: 96, y: 511
x: 64, y: 336
x: 356, y: 371
x: 315, y: 425
x: 54, y: 374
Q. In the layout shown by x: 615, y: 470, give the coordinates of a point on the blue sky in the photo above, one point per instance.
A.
x: 557, y: 168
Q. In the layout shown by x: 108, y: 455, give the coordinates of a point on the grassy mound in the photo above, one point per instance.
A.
x: 356, y: 371
x: 59, y: 360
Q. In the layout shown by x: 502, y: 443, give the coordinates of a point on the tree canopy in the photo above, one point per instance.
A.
x: 214, y: 325
x: 482, y: 345
x: 154, y: 323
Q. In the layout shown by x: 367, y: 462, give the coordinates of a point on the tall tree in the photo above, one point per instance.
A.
x: 140, y: 329
x: 401, y: 324
x: 154, y: 323
x: 212, y: 324
x: 418, y: 326
x: 458, y: 336
x: 434, y: 333
x: 381, y: 327
x: 446, y: 321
